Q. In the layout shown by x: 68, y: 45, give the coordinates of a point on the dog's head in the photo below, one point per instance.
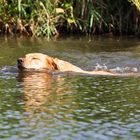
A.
x: 36, y: 61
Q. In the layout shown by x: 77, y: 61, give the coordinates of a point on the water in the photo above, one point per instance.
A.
x: 38, y: 105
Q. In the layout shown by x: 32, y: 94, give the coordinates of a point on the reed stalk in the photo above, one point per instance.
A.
x: 136, y: 3
x: 51, y: 17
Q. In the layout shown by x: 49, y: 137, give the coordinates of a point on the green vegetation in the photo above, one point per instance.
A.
x: 51, y: 17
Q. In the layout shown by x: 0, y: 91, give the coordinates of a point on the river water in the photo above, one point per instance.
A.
x: 40, y: 106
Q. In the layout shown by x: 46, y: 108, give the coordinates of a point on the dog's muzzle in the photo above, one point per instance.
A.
x: 20, y: 63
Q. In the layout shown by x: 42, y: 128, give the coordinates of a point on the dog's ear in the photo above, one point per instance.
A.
x: 51, y: 64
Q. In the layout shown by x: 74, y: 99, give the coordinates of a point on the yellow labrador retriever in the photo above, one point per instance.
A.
x: 39, y: 61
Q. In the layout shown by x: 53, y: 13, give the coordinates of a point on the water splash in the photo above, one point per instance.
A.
x: 101, y: 67
x: 104, y: 67
x: 9, y: 70
x: 125, y: 70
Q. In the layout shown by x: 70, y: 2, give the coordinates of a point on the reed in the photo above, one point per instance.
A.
x: 51, y: 17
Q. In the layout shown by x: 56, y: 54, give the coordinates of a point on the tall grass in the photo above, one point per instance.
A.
x: 51, y: 17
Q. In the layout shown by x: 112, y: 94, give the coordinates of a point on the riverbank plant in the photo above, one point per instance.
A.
x: 53, y: 17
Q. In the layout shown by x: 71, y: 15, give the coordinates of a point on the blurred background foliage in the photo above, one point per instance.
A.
x: 54, y: 17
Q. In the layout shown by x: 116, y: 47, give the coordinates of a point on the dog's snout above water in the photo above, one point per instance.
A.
x: 20, y: 60
x: 20, y: 63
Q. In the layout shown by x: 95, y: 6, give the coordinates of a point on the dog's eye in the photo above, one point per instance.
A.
x: 35, y: 58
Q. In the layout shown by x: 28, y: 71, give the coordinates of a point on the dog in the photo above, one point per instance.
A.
x: 39, y: 61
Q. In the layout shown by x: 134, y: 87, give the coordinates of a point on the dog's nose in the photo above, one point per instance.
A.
x: 20, y: 60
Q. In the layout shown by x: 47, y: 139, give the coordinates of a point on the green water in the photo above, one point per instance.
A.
x: 40, y: 106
